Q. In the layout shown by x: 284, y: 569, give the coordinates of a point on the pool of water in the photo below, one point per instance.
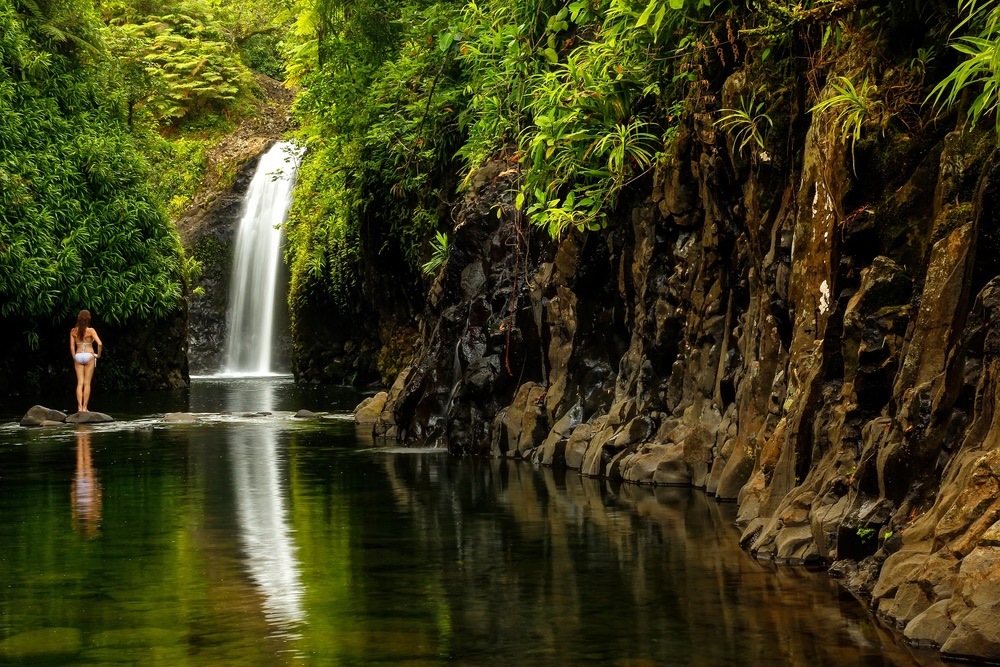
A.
x: 272, y: 541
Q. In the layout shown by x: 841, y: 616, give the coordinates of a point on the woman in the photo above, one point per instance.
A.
x: 81, y: 346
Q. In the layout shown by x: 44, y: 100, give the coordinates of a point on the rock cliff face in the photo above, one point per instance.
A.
x: 809, y: 334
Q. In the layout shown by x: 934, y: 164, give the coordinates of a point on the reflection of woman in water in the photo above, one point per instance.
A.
x: 82, y: 340
x: 86, y: 493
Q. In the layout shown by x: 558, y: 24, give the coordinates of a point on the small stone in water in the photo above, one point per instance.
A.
x: 305, y: 414
x: 179, y: 417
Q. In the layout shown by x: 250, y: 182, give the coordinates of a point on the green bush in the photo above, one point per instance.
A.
x: 180, y: 63
x: 79, y: 224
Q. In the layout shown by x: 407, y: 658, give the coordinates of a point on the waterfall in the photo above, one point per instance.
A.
x: 256, y: 261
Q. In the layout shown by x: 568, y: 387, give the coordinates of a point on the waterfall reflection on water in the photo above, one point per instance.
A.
x: 264, y: 528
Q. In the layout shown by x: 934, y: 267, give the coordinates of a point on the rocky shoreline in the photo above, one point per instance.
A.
x: 817, y: 346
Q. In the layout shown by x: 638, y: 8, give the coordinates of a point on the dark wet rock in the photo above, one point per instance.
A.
x: 301, y: 414
x: 89, y: 418
x: 38, y: 414
x: 179, y: 417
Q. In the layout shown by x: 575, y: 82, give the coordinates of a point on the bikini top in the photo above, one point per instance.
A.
x: 85, y: 343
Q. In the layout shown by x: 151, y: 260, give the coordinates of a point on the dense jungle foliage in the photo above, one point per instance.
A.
x: 582, y: 99
x: 107, y: 111
x: 79, y: 224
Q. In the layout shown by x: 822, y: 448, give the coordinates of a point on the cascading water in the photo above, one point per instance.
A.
x: 256, y: 261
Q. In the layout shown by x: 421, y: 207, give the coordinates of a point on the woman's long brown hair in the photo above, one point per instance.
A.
x: 82, y: 322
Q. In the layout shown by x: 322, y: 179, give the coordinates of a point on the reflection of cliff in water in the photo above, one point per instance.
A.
x: 594, y: 559
x: 264, y: 528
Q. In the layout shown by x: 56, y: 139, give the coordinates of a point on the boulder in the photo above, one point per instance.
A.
x: 369, y: 409
x: 932, y: 627
x: 89, y: 418
x: 39, y: 413
x: 977, y: 635
x: 304, y: 414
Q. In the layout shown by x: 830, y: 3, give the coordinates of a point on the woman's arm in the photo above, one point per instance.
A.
x: 72, y: 343
x: 97, y: 339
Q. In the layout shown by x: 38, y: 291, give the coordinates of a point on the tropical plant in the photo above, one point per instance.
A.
x: 747, y: 125
x: 181, y: 63
x: 380, y: 117
x: 79, y: 224
x: 440, y: 249
x: 852, y: 106
x: 570, y: 92
x: 980, y: 70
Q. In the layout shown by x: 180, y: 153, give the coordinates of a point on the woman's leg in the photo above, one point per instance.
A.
x: 79, y: 368
x: 88, y: 374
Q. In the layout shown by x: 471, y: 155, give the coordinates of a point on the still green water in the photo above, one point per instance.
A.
x: 270, y: 541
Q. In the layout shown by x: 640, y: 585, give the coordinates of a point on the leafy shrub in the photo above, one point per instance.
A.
x: 79, y: 225
x: 380, y: 118
x: 180, y: 63
x: 575, y: 88
x: 262, y: 53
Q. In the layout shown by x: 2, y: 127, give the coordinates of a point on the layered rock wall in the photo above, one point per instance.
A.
x: 810, y: 334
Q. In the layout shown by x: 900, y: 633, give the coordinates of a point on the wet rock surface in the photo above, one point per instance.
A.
x: 823, y: 355
x: 40, y: 415
x: 89, y: 418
